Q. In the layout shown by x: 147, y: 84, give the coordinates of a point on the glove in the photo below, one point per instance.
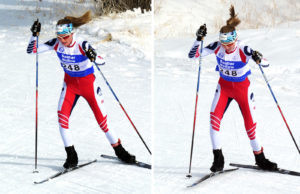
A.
x: 36, y: 28
x: 91, y: 54
x: 257, y: 56
x: 201, y: 32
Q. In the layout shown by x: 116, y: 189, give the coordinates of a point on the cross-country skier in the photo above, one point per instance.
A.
x: 76, y: 57
x: 232, y: 58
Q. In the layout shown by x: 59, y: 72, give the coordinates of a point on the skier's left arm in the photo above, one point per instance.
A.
x: 259, y: 59
x: 90, y: 52
x: 256, y: 56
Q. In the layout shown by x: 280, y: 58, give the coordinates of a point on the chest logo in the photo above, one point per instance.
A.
x: 61, y: 49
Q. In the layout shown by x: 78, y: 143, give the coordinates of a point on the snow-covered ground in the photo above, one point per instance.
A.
x: 270, y: 26
x: 128, y: 70
x: 175, y: 79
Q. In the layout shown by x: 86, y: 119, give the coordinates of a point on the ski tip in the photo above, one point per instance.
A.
x: 36, y: 182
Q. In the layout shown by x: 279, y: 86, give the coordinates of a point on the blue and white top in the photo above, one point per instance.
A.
x: 231, y: 66
x: 72, y: 58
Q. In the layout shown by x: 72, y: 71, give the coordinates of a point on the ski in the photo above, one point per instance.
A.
x: 211, y: 175
x: 64, y: 172
x: 137, y: 163
x: 278, y: 170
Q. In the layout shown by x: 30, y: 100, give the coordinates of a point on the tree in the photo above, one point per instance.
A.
x: 104, y: 7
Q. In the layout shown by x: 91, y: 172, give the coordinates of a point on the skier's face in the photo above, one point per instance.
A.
x: 66, y: 40
x: 229, y: 47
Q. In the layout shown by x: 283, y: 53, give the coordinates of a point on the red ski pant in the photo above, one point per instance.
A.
x: 73, y: 88
x: 241, y: 93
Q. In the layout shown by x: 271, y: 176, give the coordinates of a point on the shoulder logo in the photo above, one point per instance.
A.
x: 221, y: 54
x: 247, y: 51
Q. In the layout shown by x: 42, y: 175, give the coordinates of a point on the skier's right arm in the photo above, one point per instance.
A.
x: 201, y: 33
x: 31, y: 48
x: 209, y: 49
x: 194, y: 52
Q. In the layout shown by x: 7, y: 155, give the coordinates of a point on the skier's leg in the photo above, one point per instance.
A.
x: 245, y: 100
x: 66, y: 103
x: 246, y: 103
x: 92, y: 93
x: 96, y: 103
x: 219, y: 106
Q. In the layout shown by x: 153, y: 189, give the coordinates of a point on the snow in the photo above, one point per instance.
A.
x: 127, y: 69
x: 159, y: 98
x: 175, y: 81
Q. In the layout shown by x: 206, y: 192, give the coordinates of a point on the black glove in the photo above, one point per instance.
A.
x: 257, y: 56
x: 201, y: 32
x: 91, y: 54
x: 36, y: 28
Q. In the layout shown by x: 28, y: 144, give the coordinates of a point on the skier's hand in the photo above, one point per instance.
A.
x: 36, y: 28
x: 91, y: 54
x: 257, y: 56
x: 201, y: 32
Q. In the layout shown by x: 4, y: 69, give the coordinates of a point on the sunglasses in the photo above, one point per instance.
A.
x: 64, y: 37
x: 228, y: 45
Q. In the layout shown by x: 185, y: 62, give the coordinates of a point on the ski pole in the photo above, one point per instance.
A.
x: 195, y: 113
x: 278, y: 106
x: 36, y: 100
x: 122, y: 106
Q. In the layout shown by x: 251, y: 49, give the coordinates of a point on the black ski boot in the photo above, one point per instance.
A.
x: 72, y: 159
x: 264, y: 163
x: 218, y: 163
x: 124, y: 155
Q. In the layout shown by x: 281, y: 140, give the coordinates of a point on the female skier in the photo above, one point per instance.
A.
x: 76, y: 57
x: 232, y: 58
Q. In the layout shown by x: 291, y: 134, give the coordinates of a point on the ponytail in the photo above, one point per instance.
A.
x: 232, y: 22
x: 76, y: 21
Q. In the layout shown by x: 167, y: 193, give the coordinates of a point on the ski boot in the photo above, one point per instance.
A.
x: 123, y: 155
x: 72, y: 159
x: 218, y: 163
x: 264, y: 163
